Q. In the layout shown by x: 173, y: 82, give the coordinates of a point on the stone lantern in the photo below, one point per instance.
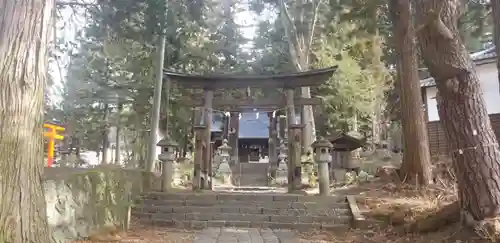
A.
x: 322, y: 148
x: 167, y: 157
x: 224, y: 169
x: 282, y: 172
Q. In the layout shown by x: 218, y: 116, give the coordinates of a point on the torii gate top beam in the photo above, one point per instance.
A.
x: 226, y: 81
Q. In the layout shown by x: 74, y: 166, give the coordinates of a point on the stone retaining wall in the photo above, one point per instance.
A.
x: 81, y: 201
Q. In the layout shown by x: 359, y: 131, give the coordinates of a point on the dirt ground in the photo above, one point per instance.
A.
x: 392, y: 209
x: 140, y: 234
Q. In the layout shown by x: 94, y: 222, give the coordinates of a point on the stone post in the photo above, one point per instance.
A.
x: 224, y: 169
x: 290, y: 118
x: 167, y: 157
x: 207, y: 120
x: 234, y: 131
x: 294, y: 156
x: 217, y: 160
x: 198, y: 156
x: 323, y: 156
x: 210, y: 173
x: 273, y: 142
x: 282, y: 171
x: 282, y: 123
x: 273, y: 154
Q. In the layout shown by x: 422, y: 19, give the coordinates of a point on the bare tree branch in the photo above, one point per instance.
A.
x: 312, y: 28
x: 290, y: 28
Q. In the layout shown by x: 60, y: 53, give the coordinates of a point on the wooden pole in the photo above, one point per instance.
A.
x: 198, y: 131
x: 273, y: 142
x: 211, y: 149
x: 295, y: 143
x: 234, y: 124
x: 198, y: 156
x: 290, y: 113
x: 209, y: 96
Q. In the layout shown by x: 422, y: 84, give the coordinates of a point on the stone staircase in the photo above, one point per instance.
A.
x: 246, y: 210
x: 250, y: 174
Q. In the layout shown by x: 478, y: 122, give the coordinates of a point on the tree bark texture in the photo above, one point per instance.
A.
x: 273, y: 144
x: 416, y: 167
x: 471, y: 142
x: 117, y: 138
x: 495, y: 10
x: 24, y: 38
x: 299, y: 43
x: 309, y: 134
x: 105, y: 132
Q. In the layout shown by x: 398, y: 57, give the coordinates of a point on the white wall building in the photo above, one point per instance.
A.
x: 487, y: 73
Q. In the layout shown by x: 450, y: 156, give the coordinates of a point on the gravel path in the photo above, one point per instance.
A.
x: 241, y: 235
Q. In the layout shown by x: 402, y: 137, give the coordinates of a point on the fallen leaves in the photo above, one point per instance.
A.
x: 144, y: 234
x: 395, y: 204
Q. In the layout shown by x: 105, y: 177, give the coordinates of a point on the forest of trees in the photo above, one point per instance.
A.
x: 111, y: 66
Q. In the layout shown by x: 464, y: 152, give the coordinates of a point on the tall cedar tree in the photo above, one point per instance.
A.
x: 471, y: 142
x: 416, y: 167
x: 24, y: 38
x: 495, y: 10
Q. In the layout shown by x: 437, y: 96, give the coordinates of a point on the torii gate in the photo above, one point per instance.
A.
x: 209, y: 83
x: 52, y: 135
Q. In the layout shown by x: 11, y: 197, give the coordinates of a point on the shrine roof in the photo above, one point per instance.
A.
x: 222, y: 81
x: 347, y: 140
x: 251, y: 126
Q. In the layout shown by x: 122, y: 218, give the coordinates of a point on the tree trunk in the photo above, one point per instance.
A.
x: 375, y: 130
x: 355, y: 128
x: 416, y: 167
x: 495, y: 10
x: 25, y: 30
x: 299, y: 43
x: 117, y: 135
x: 105, y: 132
x: 462, y: 110
x: 309, y: 134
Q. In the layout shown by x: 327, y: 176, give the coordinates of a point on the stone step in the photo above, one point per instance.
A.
x: 222, y: 197
x: 198, y: 216
x: 246, y: 204
x: 250, y: 174
x: 341, y: 210
x: 268, y: 210
x: 200, y: 224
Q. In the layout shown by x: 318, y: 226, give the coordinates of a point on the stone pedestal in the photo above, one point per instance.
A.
x: 167, y: 157
x: 308, y: 174
x: 177, y: 175
x: 224, y: 172
x: 216, y: 163
x: 167, y: 174
x: 339, y: 174
x: 324, y: 179
x: 323, y: 156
